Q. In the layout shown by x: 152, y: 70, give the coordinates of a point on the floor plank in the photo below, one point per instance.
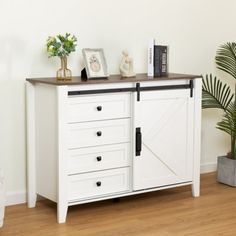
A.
x: 162, y: 213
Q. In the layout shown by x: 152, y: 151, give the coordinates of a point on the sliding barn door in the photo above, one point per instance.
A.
x: 164, y: 124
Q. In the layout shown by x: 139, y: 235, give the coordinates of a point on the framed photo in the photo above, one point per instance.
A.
x: 95, y: 63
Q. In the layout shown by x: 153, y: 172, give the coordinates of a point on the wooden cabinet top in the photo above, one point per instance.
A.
x: 76, y: 80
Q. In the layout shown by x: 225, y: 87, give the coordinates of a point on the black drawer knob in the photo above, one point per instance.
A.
x: 99, y: 158
x: 99, y: 133
x: 99, y: 183
x: 99, y: 108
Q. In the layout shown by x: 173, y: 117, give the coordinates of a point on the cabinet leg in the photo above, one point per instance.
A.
x: 61, y: 213
x: 196, y: 189
x: 32, y: 199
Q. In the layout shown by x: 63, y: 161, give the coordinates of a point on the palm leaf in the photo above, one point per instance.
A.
x: 215, y: 94
x: 226, y: 58
x: 228, y: 125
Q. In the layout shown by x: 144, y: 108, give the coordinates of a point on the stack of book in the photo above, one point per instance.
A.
x: 157, y: 60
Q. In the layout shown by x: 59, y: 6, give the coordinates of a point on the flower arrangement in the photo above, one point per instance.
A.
x: 60, y: 45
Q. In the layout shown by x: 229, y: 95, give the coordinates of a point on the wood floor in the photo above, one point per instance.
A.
x: 162, y: 213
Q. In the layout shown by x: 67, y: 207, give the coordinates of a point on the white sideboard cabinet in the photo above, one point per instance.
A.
x: 109, y: 138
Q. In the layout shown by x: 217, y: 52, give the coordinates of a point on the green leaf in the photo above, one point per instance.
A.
x: 215, y: 94
x: 61, y: 45
x: 226, y: 58
x: 228, y: 125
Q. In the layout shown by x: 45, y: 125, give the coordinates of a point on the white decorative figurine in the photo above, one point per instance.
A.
x: 126, y: 65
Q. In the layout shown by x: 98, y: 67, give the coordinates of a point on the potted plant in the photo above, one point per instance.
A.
x: 217, y: 94
x: 61, y: 46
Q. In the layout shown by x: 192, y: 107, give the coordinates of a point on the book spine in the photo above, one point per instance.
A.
x: 164, y: 64
x: 160, y: 61
x: 157, y: 61
x: 151, y: 57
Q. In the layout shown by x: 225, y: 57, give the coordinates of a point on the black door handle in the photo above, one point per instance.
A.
x: 138, y: 141
x: 99, y: 158
x: 99, y: 183
x: 99, y: 133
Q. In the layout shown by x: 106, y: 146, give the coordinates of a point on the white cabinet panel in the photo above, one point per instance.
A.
x: 98, y: 107
x: 99, y: 183
x: 98, y: 158
x: 166, y: 122
x: 99, y: 133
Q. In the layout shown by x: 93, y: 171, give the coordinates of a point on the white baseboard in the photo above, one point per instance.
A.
x: 14, y: 198
x: 208, y: 167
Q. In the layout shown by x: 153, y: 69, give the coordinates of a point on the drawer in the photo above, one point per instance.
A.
x: 98, y: 107
x: 98, y: 158
x: 98, y: 133
x: 99, y: 183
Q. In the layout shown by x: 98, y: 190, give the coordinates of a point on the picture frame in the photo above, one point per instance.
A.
x: 95, y: 63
